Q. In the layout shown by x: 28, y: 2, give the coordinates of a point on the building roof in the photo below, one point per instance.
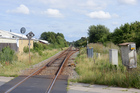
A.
x: 6, y: 34
x: 44, y: 41
x: 127, y: 43
x: 12, y: 35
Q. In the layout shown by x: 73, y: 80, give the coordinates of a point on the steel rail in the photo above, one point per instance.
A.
x: 55, y: 77
x: 35, y: 72
x: 59, y: 71
x: 57, y: 57
x: 9, y: 90
x: 56, y: 73
x: 66, y: 61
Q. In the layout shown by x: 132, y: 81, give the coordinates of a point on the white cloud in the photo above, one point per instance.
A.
x: 90, y: 3
x: 132, y: 2
x: 93, y: 4
x: 57, y: 3
x: 99, y: 15
x: 115, y: 23
x: 115, y: 16
x: 53, y: 13
x: 21, y: 9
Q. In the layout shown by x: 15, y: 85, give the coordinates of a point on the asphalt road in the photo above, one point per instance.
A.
x: 85, y: 88
x: 35, y: 84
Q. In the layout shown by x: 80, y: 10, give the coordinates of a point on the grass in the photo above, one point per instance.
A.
x: 68, y: 82
x: 23, y: 62
x: 100, y: 71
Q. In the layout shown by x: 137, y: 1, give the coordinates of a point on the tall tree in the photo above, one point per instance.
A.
x: 81, y: 42
x: 127, y: 33
x: 53, y: 38
x: 48, y: 36
x: 98, y: 33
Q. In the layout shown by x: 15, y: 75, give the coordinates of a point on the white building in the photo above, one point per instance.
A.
x: 16, y: 41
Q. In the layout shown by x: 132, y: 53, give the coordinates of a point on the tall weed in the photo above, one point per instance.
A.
x: 22, y: 62
x: 7, y: 55
x: 100, y: 71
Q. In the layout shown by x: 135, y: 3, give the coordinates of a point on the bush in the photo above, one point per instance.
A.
x: 26, y: 49
x: 39, y: 46
x: 40, y: 53
x: 7, y: 55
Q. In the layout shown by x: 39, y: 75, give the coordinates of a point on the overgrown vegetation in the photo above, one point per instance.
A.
x: 22, y: 62
x: 81, y: 42
x: 38, y: 47
x: 98, y: 33
x: 127, y: 33
x: 100, y: 71
x: 7, y: 55
x: 56, y: 40
x: 12, y: 63
x: 124, y: 33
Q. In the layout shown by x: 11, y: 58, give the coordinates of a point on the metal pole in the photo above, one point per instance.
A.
x: 29, y: 52
x: 87, y: 40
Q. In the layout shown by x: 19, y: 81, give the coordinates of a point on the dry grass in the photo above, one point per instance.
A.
x: 100, y: 71
x: 23, y: 62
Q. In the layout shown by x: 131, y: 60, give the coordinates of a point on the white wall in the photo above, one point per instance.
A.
x: 5, y: 40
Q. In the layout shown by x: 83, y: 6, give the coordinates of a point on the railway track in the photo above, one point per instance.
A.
x: 53, y: 70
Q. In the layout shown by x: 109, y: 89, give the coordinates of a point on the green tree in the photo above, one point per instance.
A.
x: 127, y: 33
x: 98, y: 33
x: 81, y: 42
x: 56, y: 39
x: 60, y: 34
x: 60, y: 40
x: 48, y: 36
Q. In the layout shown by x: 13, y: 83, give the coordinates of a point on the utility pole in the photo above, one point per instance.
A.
x: 29, y: 36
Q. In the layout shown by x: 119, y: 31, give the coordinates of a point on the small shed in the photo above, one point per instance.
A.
x: 15, y: 44
x: 15, y: 41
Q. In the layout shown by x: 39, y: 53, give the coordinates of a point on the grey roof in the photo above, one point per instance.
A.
x: 12, y: 35
x: 127, y: 43
x: 44, y: 41
x: 6, y: 34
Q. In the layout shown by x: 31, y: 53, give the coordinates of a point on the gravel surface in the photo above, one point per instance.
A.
x: 37, y: 66
x: 68, y: 69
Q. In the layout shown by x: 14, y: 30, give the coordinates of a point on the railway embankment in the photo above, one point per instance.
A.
x: 98, y: 70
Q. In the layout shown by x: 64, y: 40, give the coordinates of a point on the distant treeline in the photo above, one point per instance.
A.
x: 100, y: 34
x: 57, y: 40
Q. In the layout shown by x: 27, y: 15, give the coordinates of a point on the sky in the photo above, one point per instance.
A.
x: 70, y: 17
